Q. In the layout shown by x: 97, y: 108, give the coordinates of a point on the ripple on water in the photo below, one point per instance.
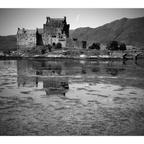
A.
x: 120, y: 100
x: 25, y: 92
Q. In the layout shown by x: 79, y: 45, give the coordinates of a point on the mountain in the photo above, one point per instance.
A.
x: 8, y: 42
x: 130, y: 31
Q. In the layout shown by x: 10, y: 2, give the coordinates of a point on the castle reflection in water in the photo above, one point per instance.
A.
x: 55, y: 75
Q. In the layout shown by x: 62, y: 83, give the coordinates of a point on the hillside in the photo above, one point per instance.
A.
x: 130, y: 31
x: 8, y: 42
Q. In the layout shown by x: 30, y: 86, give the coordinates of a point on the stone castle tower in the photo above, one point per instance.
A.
x: 56, y: 30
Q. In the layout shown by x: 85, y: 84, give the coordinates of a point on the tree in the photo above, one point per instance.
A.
x: 58, y: 46
x: 49, y: 47
x: 122, y: 46
x: 112, y: 45
x: 43, y: 51
x: 7, y: 52
x: 95, y: 46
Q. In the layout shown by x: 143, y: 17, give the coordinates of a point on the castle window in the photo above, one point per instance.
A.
x: 74, y: 39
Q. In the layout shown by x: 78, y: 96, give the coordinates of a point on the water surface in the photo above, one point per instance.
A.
x: 71, y: 97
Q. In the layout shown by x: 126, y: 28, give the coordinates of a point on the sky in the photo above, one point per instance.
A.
x: 11, y: 19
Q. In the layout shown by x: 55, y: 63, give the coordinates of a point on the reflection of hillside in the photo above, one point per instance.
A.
x: 140, y: 63
x: 56, y: 85
x: 114, y: 71
x: 68, y: 68
x: 113, y: 68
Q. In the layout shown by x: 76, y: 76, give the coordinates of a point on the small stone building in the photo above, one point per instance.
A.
x: 76, y: 43
x: 55, y: 30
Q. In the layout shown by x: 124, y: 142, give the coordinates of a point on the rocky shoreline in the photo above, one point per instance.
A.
x: 101, y: 57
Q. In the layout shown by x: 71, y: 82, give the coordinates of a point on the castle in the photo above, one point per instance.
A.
x: 55, y: 30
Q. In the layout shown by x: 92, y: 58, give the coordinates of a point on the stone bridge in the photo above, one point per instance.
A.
x: 133, y: 54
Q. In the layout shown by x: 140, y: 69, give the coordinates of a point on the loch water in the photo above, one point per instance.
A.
x: 71, y: 97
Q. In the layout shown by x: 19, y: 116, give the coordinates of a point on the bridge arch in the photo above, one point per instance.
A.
x: 124, y: 56
x: 138, y: 54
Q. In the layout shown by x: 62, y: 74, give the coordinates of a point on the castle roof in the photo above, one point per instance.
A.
x: 55, y: 21
x: 28, y: 31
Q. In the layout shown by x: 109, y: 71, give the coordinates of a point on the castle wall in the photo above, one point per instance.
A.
x: 75, y: 43
x: 69, y: 43
x: 63, y: 42
x: 59, y: 40
x: 26, y: 38
x: 46, y: 39
x: 54, y: 40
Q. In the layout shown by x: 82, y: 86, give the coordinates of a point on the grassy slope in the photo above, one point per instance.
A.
x: 7, y: 42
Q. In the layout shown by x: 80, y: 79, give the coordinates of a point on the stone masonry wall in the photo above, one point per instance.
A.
x: 26, y: 38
